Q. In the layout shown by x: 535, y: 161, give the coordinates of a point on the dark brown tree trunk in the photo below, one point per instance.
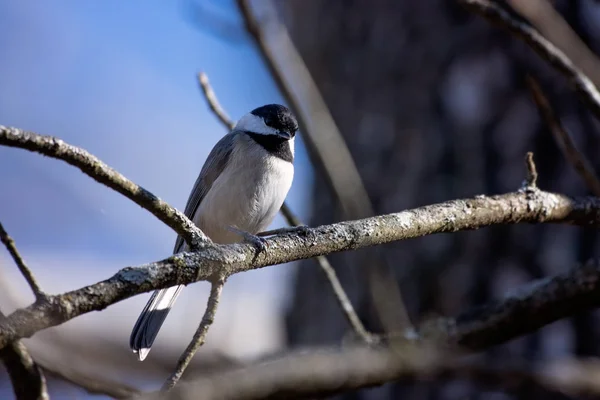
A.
x: 432, y: 103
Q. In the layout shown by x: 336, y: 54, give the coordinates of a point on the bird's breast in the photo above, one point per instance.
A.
x: 248, y: 194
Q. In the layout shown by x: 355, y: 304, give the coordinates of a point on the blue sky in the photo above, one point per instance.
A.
x: 119, y: 79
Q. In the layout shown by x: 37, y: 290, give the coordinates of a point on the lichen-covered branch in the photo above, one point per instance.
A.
x: 99, y: 171
x: 210, y: 261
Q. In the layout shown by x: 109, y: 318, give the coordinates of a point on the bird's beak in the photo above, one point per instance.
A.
x: 285, y: 135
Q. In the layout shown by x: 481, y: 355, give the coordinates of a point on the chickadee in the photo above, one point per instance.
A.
x: 241, y: 187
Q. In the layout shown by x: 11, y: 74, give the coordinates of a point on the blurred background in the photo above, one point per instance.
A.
x: 430, y: 99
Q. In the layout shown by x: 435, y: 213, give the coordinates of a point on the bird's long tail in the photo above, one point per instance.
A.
x: 151, y: 319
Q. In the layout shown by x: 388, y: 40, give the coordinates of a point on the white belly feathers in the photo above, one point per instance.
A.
x: 248, y: 194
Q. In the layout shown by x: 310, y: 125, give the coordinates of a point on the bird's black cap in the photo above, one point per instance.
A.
x: 278, y: 117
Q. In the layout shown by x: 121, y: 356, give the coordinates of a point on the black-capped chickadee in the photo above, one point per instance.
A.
x: 241, y: 187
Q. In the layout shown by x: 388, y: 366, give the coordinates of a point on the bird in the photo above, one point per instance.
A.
x: 241, y: 187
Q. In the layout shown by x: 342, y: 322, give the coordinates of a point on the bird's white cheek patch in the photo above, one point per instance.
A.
x: 254, y: 124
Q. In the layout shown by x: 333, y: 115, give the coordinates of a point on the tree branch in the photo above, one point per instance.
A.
x: 584, y: 86
x: 564, y: 141
x: 523, y: 311
x: 27, y: 378
x: 293, y: 220
x: 25, y: 271
x: 210, y: 261
x: 99, y: 171
x: 213, y: 103
x: 200, y: 335
x: 326, y: 372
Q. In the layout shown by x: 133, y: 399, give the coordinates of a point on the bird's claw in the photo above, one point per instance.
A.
x: 302, y: 230
x: 258, y: 242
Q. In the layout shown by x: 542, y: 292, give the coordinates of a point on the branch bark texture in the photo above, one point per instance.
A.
x: 533, y: 206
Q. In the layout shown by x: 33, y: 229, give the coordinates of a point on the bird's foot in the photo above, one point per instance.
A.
x: 258, y: 242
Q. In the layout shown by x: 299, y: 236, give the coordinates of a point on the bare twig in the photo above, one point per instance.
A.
x: 25, y: 271
x: 99, y: 171
x: 338, y: 290
x: 532, y: 174
x: 326, y: 146
x: 28, y: 380
x: 213, y: 103
x: 200, y: 335
x: 584, y: 86
x: 565, y: 142
x: 293, y: 220
x: 553, y: 26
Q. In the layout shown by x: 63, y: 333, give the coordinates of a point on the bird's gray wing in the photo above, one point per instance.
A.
x: 214, y: 165
x: 156, y: 310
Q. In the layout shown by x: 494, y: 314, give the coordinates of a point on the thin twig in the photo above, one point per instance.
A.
x: 532, y: 174
x: 547, y: 20
x: 213, y: 103
x: 338, y: 290
x: 28, y: 380
x: 200, y: 335
x: 25, y: 271
x: 99, y: 171
x: 565, y: 142
x: 496, y: 13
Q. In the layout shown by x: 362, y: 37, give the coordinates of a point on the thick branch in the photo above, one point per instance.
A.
x: 16, y: 256
x: 200, y: 335
x: 99, y: 171
x: 584, y: 86
x: 525, y: 310
x: 534, y: 206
